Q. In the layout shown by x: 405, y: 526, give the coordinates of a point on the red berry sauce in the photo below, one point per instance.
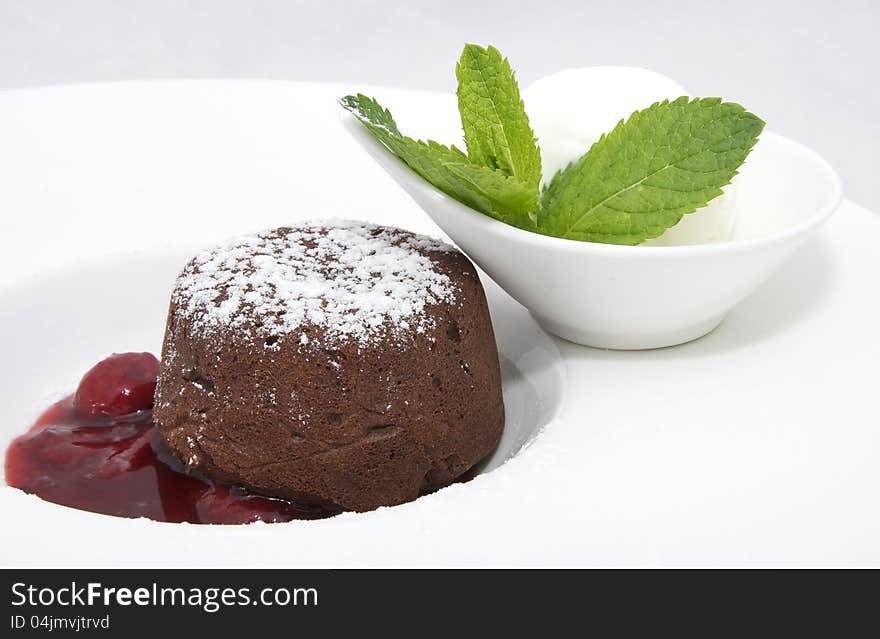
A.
x: 98, y: 450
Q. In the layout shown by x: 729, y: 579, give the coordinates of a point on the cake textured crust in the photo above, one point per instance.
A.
x: 335, y: 362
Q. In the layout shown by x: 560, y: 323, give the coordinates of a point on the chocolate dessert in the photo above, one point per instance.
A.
x: 333, y: 363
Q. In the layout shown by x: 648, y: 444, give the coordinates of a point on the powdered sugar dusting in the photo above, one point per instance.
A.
x: 353, y: 280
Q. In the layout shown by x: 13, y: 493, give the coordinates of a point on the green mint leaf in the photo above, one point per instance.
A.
x: 496, y: 128
x: 639, y: 180
x: 501, y: 196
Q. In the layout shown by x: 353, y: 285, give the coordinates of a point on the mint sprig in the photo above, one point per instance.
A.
x: 640, y: 179
x: 496, y: 128
x: 485, y: 189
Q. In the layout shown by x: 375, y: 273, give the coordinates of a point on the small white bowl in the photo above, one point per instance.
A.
x: 640, y: 297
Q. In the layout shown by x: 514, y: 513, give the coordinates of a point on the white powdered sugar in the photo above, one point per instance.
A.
x: 353, y: 280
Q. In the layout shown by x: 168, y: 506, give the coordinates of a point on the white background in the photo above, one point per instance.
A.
x: 808, y: 67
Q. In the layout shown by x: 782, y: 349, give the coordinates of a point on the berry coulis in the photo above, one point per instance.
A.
x: 98, y: 450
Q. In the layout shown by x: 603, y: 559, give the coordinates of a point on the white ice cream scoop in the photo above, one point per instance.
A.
x: 571, y: 109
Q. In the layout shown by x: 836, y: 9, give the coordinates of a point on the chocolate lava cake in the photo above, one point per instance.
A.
x: 335, y: 362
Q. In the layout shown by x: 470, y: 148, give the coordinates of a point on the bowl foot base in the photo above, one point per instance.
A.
x: 628, y: 341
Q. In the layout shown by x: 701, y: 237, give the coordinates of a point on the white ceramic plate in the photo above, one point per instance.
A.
x: 754, y: 445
